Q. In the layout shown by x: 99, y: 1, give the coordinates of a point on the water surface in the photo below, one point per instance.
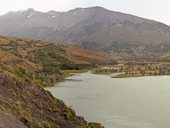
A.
x: 118, y: 102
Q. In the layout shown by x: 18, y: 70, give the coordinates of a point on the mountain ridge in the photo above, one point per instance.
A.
x: 79, y: 8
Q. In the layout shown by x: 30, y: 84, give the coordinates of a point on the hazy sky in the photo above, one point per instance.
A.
x: 153, y: 9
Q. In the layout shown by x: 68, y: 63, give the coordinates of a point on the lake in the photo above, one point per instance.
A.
x: 118, y: 102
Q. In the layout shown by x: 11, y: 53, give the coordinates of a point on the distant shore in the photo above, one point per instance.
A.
x: 134, y: 70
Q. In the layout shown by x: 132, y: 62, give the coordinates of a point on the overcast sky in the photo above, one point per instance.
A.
x: 153, y: 9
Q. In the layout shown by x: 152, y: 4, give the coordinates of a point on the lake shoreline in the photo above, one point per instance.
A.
x: 116, y: 102
x: 124, y: 75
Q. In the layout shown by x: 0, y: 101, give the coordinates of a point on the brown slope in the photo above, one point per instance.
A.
x: 13, y: 49
x: 83, y: 56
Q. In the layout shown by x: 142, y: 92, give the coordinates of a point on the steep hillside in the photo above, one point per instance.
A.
x: 31, y: 106
x: 94, y: 28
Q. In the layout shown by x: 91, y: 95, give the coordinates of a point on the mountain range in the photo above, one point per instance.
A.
x: 94, y: 28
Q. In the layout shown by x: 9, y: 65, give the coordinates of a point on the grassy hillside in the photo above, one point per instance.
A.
x: 43, y: 62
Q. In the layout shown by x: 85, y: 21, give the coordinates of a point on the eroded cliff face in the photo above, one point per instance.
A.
x: 24, y: 104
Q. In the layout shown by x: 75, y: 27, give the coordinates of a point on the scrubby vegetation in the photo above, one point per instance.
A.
x: 43, y: 63
x: 26, y: 66
x: 136, y: 69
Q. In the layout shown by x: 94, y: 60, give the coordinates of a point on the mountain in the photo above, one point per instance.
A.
x: 94, y: 28
x: 28, y: 65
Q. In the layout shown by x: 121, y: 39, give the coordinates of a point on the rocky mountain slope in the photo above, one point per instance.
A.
x: 94, y: 28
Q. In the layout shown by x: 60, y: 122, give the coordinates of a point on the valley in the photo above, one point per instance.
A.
x: 26, y: 66
x: 83, y: 57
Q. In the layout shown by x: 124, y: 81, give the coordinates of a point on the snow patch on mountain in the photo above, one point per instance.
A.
x: 31, y: 14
